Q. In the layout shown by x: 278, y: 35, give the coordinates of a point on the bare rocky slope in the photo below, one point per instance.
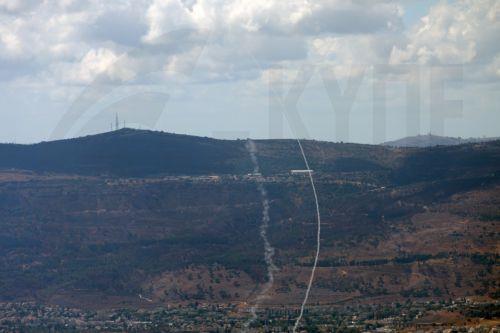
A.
x: 100, y: 220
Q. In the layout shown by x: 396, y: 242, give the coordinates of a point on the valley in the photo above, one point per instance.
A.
x: 398, y: 225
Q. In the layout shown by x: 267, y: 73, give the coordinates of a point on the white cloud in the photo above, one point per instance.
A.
x: 244, y: 36
x: 96, y: 62
x: 462, y: 32
x: 273, y: 16
x: 33, y: 35
x: 57, y: 46
x: 71, y: 42
x: 494, y: 67
x: 14, y: 6
x: 66, y: 33
x: 55, y: 38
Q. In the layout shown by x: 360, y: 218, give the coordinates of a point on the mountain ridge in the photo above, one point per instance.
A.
x: 144, y: 153
x: 130, y: 152
x: 430, y: 140
x: 397, y: 223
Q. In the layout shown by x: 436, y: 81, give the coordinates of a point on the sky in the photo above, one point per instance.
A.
x: 335, y: 70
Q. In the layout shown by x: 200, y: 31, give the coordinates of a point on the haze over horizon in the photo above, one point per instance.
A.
x: 420, y: 140
x: 225, y: 69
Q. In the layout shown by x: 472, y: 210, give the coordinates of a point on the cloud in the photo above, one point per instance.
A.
x: 462, y: 32
x: 344, y: 17
x: 244, y: 37
x: 16, y: 6
x: 166, y: 16
x: 248, y: 37
x: 123, y: 25
x: 35, y: 35
x: 70, y: 42
x: 96, y: 62
x: 273, y: 16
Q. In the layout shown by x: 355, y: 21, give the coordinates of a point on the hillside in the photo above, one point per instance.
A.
x: 98, y: 221
x: 140, y: 153
x: 431, y: 140
x: 125, y: 152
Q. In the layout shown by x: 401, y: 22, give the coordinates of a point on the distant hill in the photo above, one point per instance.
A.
x: 141, y: 153
x: 125, y: 152
x: 433, y: 140
x: 397, y: 224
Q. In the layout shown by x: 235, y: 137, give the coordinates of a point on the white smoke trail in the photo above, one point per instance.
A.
x: 292, y: 122
x: 268, y: 249
x: 318, y: 241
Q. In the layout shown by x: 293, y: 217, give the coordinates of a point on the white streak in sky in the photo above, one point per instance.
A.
x: 268, y: 249
x: 292, y: 122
